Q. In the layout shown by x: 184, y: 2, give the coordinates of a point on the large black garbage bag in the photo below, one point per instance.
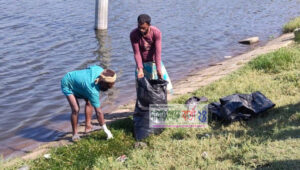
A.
x: 142, y: 127
x: 240, y: 106
x: 215, y: 110
x: 148, y: 92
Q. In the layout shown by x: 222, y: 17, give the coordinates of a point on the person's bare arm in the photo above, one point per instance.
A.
x: 158, y: 54
x: 137, y: 55
x: 100, y: 116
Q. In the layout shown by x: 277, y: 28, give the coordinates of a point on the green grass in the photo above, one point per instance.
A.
x: 291, y: 25
x: 270, y: 141
x: 281, y: 60
x: 89, y: 150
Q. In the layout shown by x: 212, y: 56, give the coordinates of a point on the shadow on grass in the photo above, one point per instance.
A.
x: 270, y: 125
x: 285, y: 164
x: 179, y: 135
x: 266, y: 126
x: 123, y: 124
x: 117, y: 115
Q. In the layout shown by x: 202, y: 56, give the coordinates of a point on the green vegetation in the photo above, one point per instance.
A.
x: 293, y: 24
x: 282, y: 59
x: 89, y: 150
x: 270, y: 141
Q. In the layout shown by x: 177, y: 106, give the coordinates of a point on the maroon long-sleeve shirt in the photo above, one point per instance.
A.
x: 147, y: 48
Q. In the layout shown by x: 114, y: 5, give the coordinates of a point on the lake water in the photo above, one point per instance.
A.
x: 41, y: 40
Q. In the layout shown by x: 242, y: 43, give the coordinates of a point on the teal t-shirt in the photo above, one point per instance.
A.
x: 82, y: 84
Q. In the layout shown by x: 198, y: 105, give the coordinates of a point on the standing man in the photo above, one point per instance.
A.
x: 146, y: 45
x: 86, y: 84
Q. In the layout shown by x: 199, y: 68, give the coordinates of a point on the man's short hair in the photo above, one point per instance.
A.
x: 144, y: 18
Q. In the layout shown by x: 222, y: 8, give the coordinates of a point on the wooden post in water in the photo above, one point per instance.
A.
x: 101, y: 14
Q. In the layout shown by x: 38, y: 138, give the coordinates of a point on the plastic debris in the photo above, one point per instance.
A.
x: 202, y: 136
x: 47, y: 156
x: 24, y: 167
x: 228, y: 56
x: 122, y: 158
x: 204, y: 155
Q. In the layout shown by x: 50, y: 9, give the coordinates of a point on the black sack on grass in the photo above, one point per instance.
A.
x: 148, y: 92
x: 240, y: 106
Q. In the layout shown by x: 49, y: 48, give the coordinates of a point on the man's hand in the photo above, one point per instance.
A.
x: 140, y: 73
x: 159, y: 75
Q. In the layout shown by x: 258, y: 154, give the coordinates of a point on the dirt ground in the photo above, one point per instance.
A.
x: 187, y: 85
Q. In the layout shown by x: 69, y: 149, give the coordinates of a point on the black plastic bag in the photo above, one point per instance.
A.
x: 148, y: 92
x: 240, y: 106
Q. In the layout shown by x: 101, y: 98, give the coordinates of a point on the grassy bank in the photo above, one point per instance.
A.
x: 270, y: 141
x: 291, y: 25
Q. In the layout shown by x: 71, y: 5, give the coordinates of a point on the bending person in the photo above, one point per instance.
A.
x: 86, y: 84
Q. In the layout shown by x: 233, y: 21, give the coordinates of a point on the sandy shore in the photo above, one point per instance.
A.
x: 192, y: 82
